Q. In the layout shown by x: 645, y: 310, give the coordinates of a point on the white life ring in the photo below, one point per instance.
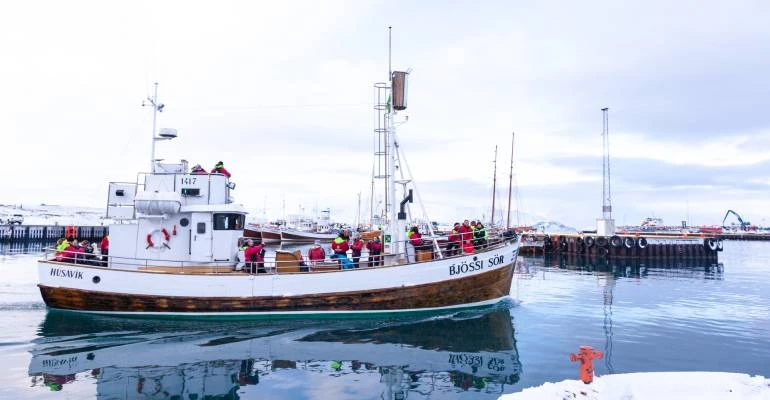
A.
x: 162, y: 242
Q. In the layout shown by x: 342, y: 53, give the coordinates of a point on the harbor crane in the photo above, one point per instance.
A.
x: 743, y: 224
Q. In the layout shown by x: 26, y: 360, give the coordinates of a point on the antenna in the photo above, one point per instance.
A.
x: 390, y: 68
x: 165, y: 133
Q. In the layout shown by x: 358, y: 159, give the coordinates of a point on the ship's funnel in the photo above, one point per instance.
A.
x: 399, y: 85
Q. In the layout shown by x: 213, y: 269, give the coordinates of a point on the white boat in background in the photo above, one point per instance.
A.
x: 174, y: 251
x: 651, y: 224
x: 298, y: 236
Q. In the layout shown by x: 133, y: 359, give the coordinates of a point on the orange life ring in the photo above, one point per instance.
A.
x: 163, y: 243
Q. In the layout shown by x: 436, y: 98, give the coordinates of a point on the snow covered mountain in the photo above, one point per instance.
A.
x: 552, y: 227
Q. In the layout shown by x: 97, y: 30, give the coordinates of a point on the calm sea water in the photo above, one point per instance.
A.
x: 644, y: 317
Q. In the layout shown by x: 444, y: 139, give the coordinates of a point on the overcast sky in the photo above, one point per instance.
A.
x: 282, y: 93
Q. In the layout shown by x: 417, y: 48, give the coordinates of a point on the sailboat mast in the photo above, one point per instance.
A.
x: 494, y: 189
x: 510, y: 184
x: 358, y: 212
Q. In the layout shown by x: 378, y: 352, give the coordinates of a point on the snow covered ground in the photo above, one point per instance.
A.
x: 45, y: 214
x: 654, y: 386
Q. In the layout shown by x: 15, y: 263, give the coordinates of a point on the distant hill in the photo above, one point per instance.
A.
x: 552, y: 226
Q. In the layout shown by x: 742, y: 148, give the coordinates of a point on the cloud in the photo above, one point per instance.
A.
x: 283, y: 93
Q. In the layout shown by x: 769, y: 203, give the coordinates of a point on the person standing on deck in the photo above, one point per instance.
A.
x: 316, y: 253
x: 356, y: 248
x: 479, y: 236
x: 416, y: 240
x: 466, y: 237
x: 453, y: 241
x: 375, y: 248
x: 104, y: 247
x: 255, y: 255
x: 220, y: 169
x: 340, y: 248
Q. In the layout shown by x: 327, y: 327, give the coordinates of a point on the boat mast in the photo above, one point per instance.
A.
x: 494, y: 189
x: 156, y: 107
x: 510, y: 184
x: 390, y: 156
x: 358, y: 212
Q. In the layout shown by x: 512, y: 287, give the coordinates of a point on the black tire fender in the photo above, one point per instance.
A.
x: 616, y: 241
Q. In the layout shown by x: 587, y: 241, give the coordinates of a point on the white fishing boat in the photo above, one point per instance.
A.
x: 174, y: 251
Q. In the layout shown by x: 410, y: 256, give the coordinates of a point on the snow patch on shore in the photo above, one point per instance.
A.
x: 653, y: 385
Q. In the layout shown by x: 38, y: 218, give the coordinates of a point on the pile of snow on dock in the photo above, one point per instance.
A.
x: 654, y: 386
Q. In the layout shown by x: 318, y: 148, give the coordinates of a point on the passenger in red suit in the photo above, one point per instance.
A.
x: 375, y: 249
x: 466, y: 236
x: 356, y: 248
x: 340, y: 248
x: 220, y: 169
x: 316, y: 253
x: 255, y: 256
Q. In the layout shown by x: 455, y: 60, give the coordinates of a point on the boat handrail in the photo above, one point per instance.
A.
x: 271, y: 264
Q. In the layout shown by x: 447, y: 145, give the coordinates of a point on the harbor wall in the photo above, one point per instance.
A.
x: 627, y: 246
x: 44, y: 233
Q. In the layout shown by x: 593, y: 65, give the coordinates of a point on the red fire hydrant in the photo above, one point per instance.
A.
x: 586, y: 356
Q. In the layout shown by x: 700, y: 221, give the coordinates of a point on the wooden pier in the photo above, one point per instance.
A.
x: 44, y: 233
x: 678, y: 247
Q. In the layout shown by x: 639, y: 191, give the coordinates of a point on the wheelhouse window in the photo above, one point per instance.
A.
x: 228, y: 222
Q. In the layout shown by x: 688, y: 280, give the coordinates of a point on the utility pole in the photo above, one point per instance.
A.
x: 606, y: 195
x: 606, y: 225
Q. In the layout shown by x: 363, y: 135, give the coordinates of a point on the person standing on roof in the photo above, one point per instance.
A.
x: 220, y: 169
x: 198, y: 170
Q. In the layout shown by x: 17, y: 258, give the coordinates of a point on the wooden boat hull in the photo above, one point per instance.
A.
x: 252, y: 233
x: 305, y: 237
x: 270, y: 236
x: 470, y: 280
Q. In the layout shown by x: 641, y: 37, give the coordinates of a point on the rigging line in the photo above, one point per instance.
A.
x: 275, y: 106
x: 419, y: 200
x: 401, y: 173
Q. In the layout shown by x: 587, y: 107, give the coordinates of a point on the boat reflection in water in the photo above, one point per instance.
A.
x: 136, y: 358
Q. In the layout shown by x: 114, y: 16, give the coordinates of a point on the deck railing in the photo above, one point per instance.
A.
x: 282, y: 261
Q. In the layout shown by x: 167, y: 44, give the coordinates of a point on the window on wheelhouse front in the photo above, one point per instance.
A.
x: 228, y: 222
